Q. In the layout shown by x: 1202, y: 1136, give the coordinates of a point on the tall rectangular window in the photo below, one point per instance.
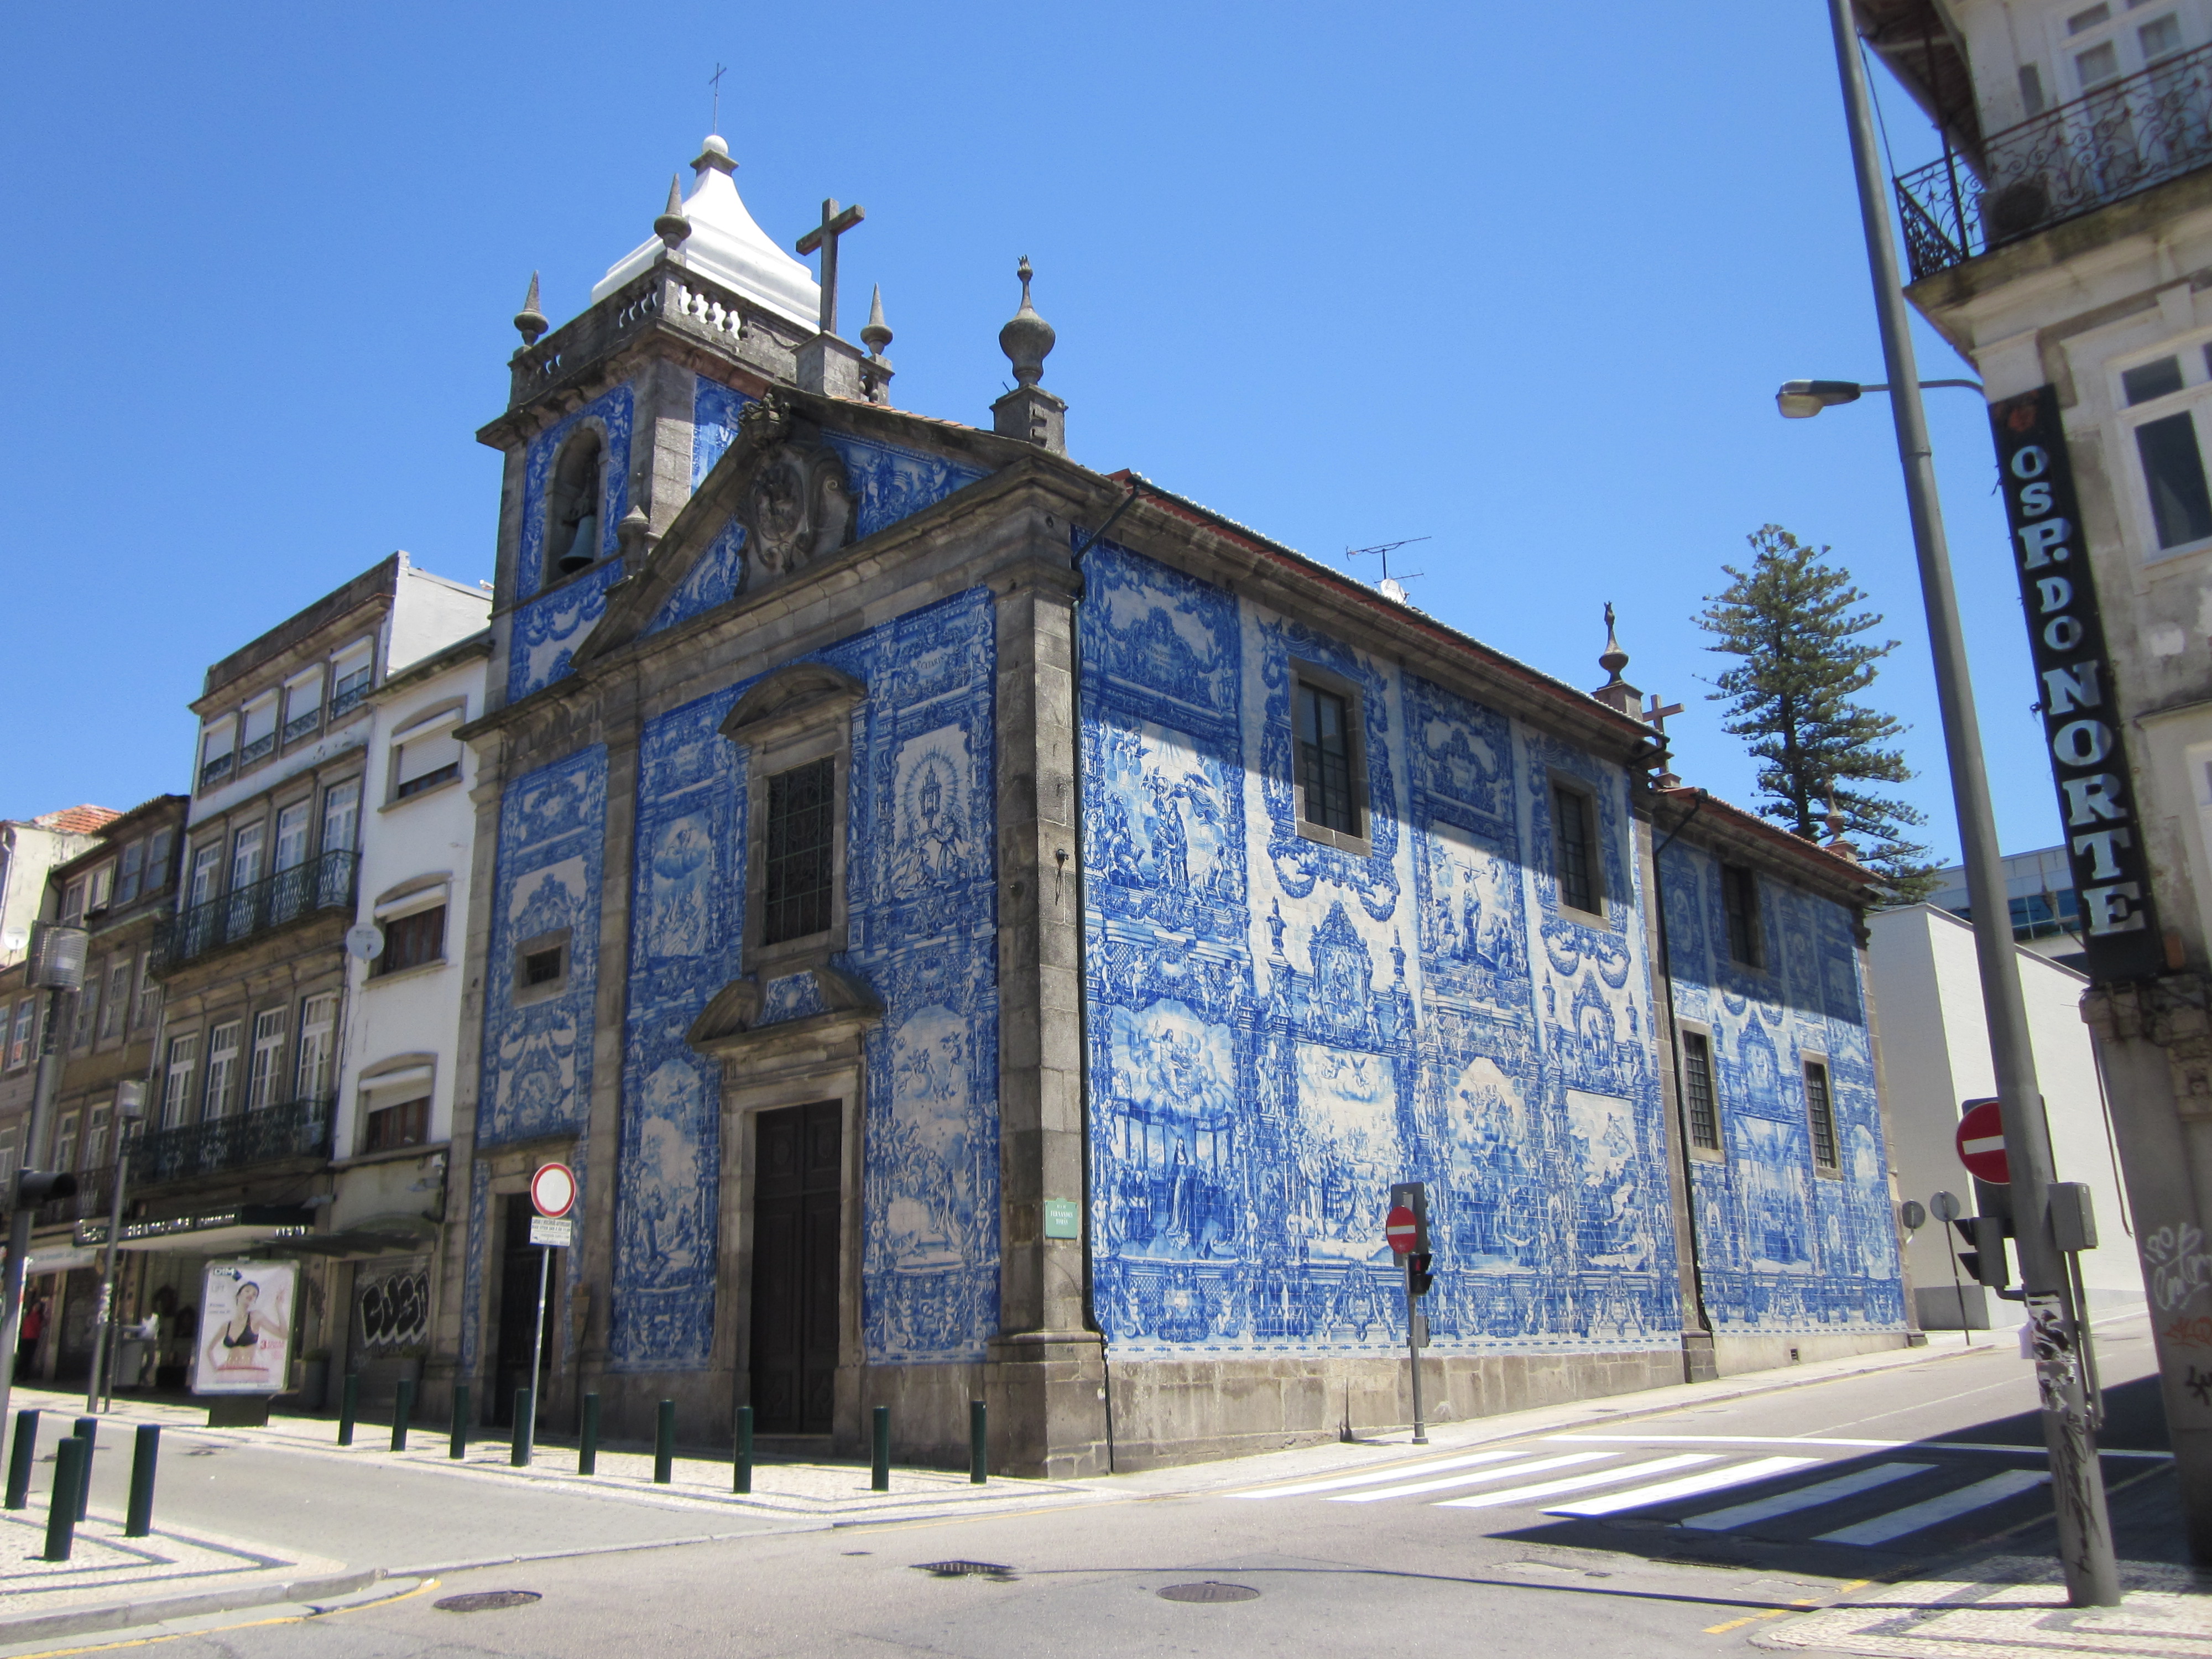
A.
x: 207, y: 865
x: 1820, y: 1112
x: 350, y: 680
x: 292, y: 836
x: 258, y: 740
x: 149, y: 993
x: 115, y: 1013
x: 319, y: 1017
x: 95, y: 1138
x: 65, y: 1142
x: 1574, y: 848
x: 133, y: 869
x: 1701, y: 1105
x: 19, y: 1040
x: 222, y: 1067
x: 303, y: 705
x: 1325, y: 759
x: 84, y: 1005
x: 265, y: 1076
x: 8, y: 1158
x: 799, y: 870
x: 157, y: 859
x: 2173, y: 472
x: 1740, y: 900
x: 177, y: 1079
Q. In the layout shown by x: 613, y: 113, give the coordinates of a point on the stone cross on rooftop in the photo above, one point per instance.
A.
x: 824, y: 236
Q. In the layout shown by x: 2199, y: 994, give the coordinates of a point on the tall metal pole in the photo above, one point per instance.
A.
x: 103, y: 1343
x: 536, y: 1347
x: 2085, y: 1533
x: 25, y: 1216
x: 1413, y: 1353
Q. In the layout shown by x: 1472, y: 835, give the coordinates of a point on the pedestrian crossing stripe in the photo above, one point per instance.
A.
x: 1396, y: 1472
x: 1951, y: 1505
x: 1804, y: 1497
x: 1740, y: 1474
x: 1577, y: 1483
x: 1512, y: 1471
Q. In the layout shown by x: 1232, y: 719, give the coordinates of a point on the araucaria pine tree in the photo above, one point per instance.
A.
x: 1802, y: 658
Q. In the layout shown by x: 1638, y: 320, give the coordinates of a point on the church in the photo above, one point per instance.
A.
x: 980, y: 928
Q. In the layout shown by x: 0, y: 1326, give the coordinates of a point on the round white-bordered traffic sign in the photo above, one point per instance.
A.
x: 553, y: 1189
x: 1982, y: 1143
x: 1400, y: 1228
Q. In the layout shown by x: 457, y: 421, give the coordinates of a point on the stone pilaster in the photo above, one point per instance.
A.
x: 1046, y: 1378
x: 832, y: 368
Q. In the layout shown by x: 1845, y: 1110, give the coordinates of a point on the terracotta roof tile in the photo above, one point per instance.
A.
x: 77, y: 820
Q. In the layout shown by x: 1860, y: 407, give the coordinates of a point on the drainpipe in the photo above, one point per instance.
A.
x: 1082, y: 934
x: 1674, y: 1050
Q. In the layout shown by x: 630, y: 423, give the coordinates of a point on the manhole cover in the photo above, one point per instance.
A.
x: 1209, y: 1591
x: 485, y: 1600
x: 964, y: 1570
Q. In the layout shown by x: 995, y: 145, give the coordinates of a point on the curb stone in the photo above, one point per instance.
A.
x: 116, y: 1615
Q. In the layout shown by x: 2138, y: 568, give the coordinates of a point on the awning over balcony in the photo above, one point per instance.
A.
x: 211, y: 1233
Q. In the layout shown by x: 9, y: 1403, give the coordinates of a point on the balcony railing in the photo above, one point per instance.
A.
x: 2125, y: 137
x: 299, y: 1129
x: 323, y: 884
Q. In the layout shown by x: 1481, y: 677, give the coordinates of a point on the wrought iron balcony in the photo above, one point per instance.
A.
x: 2122, y: 139
x: 323, y: 884
x: 301, y: 1128
x: 215, y: 771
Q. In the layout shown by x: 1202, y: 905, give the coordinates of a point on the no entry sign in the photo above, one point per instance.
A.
x: 1403, y: 1229
x: 553, y: 1189
x: 1981, y: 1142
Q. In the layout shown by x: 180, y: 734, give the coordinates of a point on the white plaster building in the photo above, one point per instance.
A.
x: 393, y: 1117
x: 1935, y: 1054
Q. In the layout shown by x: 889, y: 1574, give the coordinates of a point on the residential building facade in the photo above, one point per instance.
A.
x: 29, y: 847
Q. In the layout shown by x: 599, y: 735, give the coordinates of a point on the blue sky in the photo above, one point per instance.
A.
x: 1518, y: 282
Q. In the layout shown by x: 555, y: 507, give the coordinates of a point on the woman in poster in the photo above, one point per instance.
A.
x: 236, y: 1343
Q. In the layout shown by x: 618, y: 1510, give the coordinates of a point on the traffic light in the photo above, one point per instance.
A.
x: 1417, y: 1267
x: 36, y: 1187
x: 1984, y: 1260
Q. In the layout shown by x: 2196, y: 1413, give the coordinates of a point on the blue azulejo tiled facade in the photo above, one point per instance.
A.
x: 1083, y: 1087
x: 1282, y: 1027
x: 1787, y: 1244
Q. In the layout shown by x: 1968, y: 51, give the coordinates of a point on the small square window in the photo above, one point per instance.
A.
x: 1574, y: 849
x: 1820, y: 1114
x: 389, y: 1127
x: 1740, y: 899
x: 2161, y: 38
x: 418, y: 938
x: 2150, y: 380
x: 541, y: 967
x: 798, y: 870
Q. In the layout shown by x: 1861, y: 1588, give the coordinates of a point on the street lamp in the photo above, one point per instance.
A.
x: 2085, y: 1530
x: 1800, y: 400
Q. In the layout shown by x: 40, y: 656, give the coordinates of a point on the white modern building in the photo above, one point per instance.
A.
x: 2040, y: 891
x: 1935, y: 1056
x: 393, y: 1121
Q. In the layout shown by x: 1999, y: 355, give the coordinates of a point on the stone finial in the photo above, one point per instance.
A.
x: 631, y: 530
x: 1028, y: 339
x: 1837, y: 842
x: 1616, y: 693
x: 671, y: 227
x: 530, y: 322
x: 877, y: 334
x: 714, y: 156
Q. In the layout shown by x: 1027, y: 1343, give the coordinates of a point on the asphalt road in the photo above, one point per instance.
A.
x: 1655, y: 1535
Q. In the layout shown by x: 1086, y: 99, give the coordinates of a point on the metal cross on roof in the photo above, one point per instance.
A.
x: 824, y: 236
x: 716, y: 81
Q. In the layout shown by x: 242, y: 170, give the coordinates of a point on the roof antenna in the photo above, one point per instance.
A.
x: 1393, y: 587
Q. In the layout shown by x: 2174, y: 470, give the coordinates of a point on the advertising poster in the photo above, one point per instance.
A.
x: 246, y: 1327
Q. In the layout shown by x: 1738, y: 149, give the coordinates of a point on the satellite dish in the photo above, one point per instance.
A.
x: 365, y: 940
x: 1945, y: 1207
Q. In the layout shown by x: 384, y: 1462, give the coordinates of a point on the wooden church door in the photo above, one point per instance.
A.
x: 797, y: 1223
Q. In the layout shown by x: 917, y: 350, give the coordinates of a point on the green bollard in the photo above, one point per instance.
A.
x: 979, y: 1442
x: 459, y: 1449
x: 87, y: 1429
x: 742, y: 1480
x: 403, y: 1409
x: 61, y: 1509
x: 348, y: 1408
x: 21, y: 1460
x: 663, y: 1443
x: 144, y: 1457
x: 879, y: 1479
x: 518, y: 1455
x: 587, y: 1448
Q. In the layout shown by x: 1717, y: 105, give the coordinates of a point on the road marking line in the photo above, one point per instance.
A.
x: 1805, y: 1498
x: 1750, y: 1618
x: 1580, y: 1483
x: 1511, y: 1471
x: 1916, y: 1517
x: 1689, y: 1486
x: 1822, y: 1440
x: 424, y: 1588
x: 1398, y: 1472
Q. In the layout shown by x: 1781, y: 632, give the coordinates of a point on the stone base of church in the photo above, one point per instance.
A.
x: 1734, y: 1355
x: 1188, y: 1410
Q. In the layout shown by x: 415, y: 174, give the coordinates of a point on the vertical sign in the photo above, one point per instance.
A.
x: 2081, y: 725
